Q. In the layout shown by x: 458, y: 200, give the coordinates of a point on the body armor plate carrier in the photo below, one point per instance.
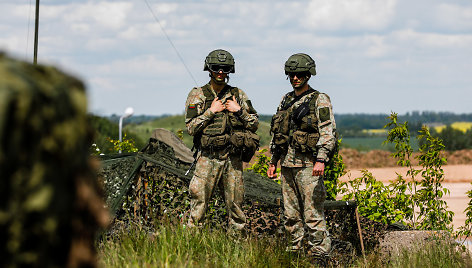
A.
x: 226, y: 132
x: 297, y: 127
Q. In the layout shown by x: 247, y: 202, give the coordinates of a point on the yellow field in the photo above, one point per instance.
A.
x: 379, y: 131
x: 462, y: 126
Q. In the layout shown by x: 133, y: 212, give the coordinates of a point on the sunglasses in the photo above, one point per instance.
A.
x: 298, y: 75
x: 216, y: 68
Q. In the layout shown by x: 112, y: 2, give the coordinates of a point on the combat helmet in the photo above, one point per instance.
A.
x: 300, y: 62
x: 219, y: 59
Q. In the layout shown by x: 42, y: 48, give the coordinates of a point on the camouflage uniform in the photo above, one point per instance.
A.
x: 220, y: 166
x: 304, y: 193
x: 50, y: 200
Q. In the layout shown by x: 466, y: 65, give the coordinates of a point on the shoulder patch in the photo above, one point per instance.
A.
x: 324, y: 114
x: 191, y: 111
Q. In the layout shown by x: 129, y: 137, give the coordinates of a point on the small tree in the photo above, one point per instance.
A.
x: 433, y: 211
x: 126, y: 145
x: 333, y: 171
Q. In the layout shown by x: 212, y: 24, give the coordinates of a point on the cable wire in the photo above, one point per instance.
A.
x: 28, y: 32
x: 170, y: 41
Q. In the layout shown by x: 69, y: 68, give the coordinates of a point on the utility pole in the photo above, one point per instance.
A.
x: 36, y: 29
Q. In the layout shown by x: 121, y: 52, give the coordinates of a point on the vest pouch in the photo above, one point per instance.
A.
x: 300, y: 137
x: 214, y: 142
x: 251, y: 144
x: 280, y: 139
x: 217, y: 125
x: 280, y: 122
x: 245, y: 143
x: 299, y: 141
x: 237, y: 139
x: 312, y: 140
x: 235, y: 121
x: 309, y: 123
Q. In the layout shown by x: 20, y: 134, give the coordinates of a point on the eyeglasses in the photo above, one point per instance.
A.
x: 298, y: 75
x: 216, y: 68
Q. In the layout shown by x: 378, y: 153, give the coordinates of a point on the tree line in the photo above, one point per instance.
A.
x: 348, y: 125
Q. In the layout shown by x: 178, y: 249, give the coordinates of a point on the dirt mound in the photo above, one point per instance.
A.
x: 354, y: 159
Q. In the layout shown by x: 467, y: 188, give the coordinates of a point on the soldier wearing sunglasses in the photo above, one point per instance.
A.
x: 223, y: 123
x: 303, y: 137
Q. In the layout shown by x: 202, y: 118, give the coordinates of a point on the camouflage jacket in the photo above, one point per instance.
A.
x: 326, y: 128
x: 196, y: 102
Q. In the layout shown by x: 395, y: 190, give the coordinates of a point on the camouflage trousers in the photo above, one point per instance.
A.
x: 228, y: 175
x: 303, y: 196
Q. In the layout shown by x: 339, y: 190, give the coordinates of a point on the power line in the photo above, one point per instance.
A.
x: 170, y: 41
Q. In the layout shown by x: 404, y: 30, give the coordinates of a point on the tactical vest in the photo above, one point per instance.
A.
x: 296, y: 127
x: 225, y: 132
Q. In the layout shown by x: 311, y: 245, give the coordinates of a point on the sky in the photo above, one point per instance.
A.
x: 372, y: 56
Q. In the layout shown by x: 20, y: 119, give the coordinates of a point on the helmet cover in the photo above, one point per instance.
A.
x: 300, y: 62
x: 219, y: 59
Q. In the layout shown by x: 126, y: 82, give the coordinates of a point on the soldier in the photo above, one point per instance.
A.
x: 223, y: 123
x: 50, y: 203
x: 302, y: 137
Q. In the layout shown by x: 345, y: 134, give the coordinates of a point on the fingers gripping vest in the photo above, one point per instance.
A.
x: 215, y: 136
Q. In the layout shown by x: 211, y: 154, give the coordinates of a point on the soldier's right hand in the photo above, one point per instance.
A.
x: 217, y: 106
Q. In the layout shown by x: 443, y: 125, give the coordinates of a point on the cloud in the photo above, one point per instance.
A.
x: 348, y: 14
x: 110, y: 15
x: 453, y: 17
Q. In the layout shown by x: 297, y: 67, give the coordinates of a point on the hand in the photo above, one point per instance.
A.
x: 232, y: 105
x: 216, y: 106
x: 318, y: 169
x: 271, y: 173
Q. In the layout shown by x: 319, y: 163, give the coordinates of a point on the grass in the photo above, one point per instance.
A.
x: 177, y: 246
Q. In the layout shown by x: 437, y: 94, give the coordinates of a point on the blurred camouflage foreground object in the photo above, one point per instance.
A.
x: 50, y: 203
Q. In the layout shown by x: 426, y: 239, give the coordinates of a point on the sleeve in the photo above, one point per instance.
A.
x: 248, y: 116
x: 326, y: 127
x: 196, y: 118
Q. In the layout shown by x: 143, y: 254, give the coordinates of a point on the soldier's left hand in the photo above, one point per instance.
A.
x: 232, y: 105
x: 318, y: 169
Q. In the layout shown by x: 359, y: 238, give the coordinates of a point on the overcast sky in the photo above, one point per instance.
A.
x: 372, y: 56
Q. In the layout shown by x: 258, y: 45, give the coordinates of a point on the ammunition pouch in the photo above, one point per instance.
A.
x: 304, y: 142
x: 280, y: 129
x: 244, y: 143
x: 280, y: 122
x: 213, y: 143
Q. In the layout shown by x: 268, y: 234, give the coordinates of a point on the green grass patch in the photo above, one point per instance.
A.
x: 373, y: 143
x: 177, y: 246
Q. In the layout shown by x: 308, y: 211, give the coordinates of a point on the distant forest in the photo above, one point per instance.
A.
x: 361, y: 120
x: 350, y: 126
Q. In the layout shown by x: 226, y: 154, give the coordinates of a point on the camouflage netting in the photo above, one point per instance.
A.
x: 159, y: 191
